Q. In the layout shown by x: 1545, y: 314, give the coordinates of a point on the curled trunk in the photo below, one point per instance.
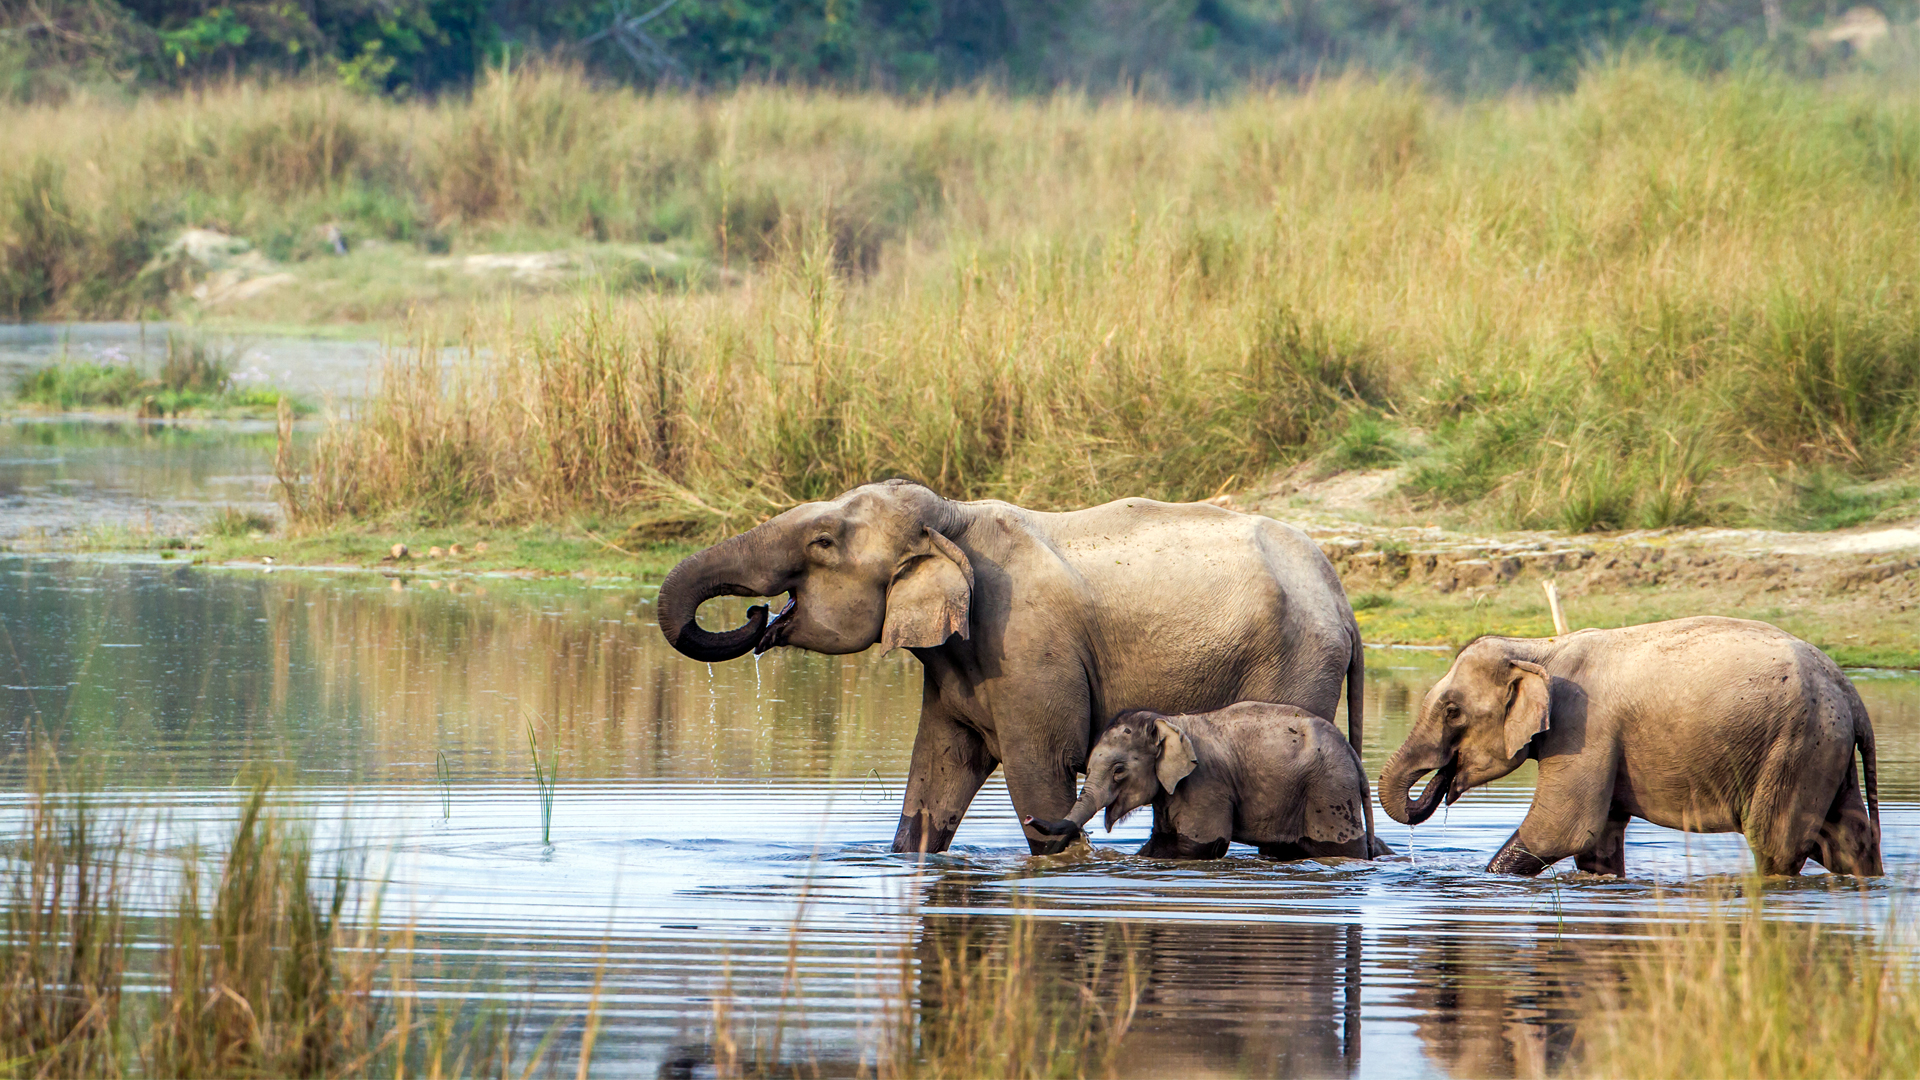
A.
x: 734, y: 567
x: 1396, y: 787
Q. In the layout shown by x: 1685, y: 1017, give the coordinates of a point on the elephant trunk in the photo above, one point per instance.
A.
x: 1076, y: 820
x: 735, y: 567
x: 1403, y: 770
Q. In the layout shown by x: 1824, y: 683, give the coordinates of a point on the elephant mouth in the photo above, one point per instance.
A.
x: 1423, y: 807
x: 777, y: 630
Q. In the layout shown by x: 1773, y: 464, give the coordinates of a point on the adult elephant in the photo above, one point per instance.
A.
x: 1704, y: 724
x: 1034, y: 629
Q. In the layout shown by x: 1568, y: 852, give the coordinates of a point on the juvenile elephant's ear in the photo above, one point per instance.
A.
x: 930, y: 596
x: 1176, y: 755
x: 1529, y: 694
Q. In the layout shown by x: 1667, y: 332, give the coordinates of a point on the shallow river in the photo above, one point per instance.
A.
x: 711, y: 818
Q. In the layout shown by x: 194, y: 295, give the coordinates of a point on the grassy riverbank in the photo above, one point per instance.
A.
x: 1655, y: 300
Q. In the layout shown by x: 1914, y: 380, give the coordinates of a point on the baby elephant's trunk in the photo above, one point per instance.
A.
x: 1074, y: 822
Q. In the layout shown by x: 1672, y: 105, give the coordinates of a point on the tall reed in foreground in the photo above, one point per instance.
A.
x: 1740, y: 995
x: 65, y: 951
x: 280, y: 969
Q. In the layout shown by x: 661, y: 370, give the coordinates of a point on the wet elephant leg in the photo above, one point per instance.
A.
x: 1608, y: 855
x: 1846, y: 844
x: 950, y: 762
x: 1572, y: 801
x: 1538, y: 844
x: 1041, y: 766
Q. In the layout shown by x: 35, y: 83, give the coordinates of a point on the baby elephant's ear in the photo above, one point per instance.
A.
x: 1529, y: 704
x: 930, y: 597
x: 1176, y: 756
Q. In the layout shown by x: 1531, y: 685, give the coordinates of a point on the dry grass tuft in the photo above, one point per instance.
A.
x: 1738, y: 995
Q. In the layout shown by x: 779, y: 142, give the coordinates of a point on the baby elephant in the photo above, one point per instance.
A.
x: 1709, y: 725
x: 1273, y: 776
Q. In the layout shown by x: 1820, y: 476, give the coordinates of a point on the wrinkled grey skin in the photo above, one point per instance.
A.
x: 1273, y: 776
x: 1033, y: 628
x: 1706, y: 724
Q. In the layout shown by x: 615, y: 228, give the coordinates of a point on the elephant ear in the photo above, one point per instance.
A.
x: 1529, y: 696
x: 1176, y: 755
x: 930, y: 596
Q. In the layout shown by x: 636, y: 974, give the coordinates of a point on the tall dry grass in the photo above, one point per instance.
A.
x: 270, y: 972
x: 1655, y: 299
x: 1737, y: 995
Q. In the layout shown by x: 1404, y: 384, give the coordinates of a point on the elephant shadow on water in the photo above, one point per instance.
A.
x: 1253, y: 998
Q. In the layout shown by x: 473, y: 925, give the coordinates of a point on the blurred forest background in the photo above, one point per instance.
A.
x: 1181, y: 48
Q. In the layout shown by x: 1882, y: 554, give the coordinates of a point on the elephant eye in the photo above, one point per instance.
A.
x: 822, y: 542
x: 1119, y: 768
x: 1453, y: 710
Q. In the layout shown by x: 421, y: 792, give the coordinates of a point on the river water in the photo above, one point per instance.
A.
x: 714, y: 825
x: 82, y: 478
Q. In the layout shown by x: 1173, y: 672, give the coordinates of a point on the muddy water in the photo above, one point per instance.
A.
x: 715, y: 824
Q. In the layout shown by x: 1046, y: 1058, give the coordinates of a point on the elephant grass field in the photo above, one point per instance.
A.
x: 1657, y: 299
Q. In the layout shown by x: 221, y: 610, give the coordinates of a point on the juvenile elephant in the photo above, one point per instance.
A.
x: 1274, y: 776
x: 1705, y: 724
x: 1033, y: 628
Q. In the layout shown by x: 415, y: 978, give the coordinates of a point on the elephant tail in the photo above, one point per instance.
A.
x: 1869, y: 761
x: 1356, y: 691
x: 1356, y: 728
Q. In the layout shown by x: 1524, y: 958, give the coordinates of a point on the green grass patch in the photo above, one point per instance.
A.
x: 1835, y: 625
x: 533, y: 551
x: 193, y: 377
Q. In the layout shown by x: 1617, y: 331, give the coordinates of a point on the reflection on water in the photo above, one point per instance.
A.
x: 715, y: 824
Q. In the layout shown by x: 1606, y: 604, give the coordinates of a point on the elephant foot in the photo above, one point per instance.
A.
x: 1514, y: 859
x: 914, y: 835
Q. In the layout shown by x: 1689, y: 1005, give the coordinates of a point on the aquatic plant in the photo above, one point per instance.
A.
x: 445, y: 776
x: 544, y: 780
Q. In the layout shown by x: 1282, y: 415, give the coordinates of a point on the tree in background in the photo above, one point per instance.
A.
x: 1183, y: 47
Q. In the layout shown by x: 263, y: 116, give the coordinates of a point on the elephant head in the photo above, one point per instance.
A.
x: 1476, y: 726
x: 871, y: 566
x: 1141, y: 755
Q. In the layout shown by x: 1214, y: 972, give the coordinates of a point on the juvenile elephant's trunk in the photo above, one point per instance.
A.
x: 735, y: 567
x: 1404, y: 769
x: 1076, y: 820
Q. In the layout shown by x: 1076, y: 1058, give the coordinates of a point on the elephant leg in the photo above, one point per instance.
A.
x: 1608, y: 855
x: 1040, y: 771
x: 1846, y: 844
x: 950, y: 762
x: 1569, y: 815
x: 1540, y: 842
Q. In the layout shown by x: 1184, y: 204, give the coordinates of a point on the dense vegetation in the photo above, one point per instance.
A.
x: 52, y: 47
x: 1657, y: 300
